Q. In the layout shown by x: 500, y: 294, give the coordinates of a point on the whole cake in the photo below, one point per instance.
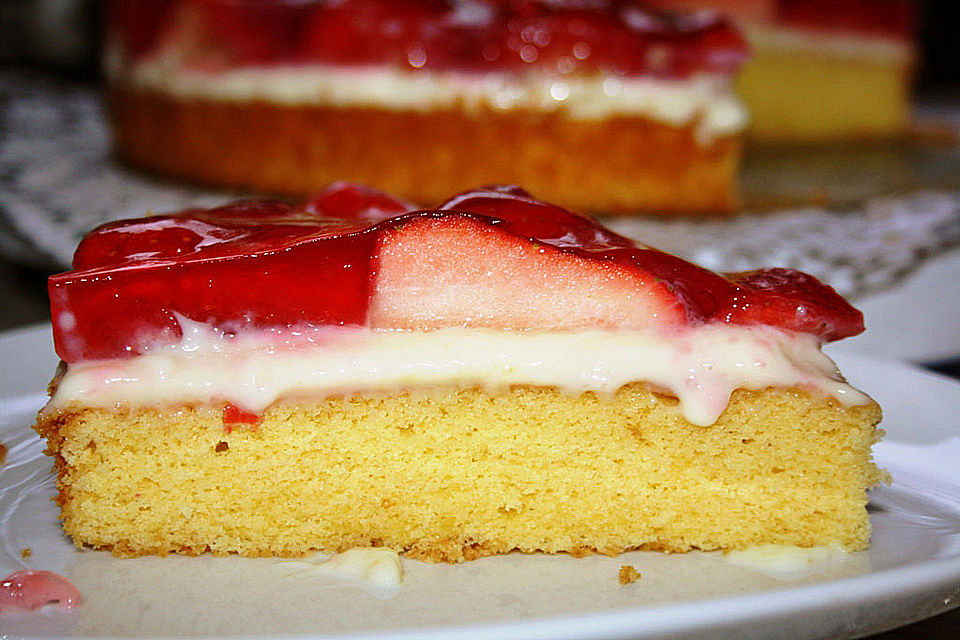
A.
x: 430, y: 97
x: 822, y: 70
x: 495, y: 374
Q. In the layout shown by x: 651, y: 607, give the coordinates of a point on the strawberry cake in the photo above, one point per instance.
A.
x: 496, y: 374
x: 598, y: 106
x: 822, y: 70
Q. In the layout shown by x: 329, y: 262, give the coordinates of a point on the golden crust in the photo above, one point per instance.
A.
x: 622, y: 164
x: 460, y: 475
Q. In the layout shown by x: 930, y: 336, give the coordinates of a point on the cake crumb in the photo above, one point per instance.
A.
x: 26, y: 552
x: 629, y: 574
x: 221, y: 447
x: 3, y: 454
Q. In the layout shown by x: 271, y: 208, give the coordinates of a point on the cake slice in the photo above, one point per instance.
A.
x: 495, y: 374
x: 599, y: 106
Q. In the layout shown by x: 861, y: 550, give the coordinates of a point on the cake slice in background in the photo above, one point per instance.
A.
x: 496, y: 374
x: 822, y: 70
x: 601, y: 107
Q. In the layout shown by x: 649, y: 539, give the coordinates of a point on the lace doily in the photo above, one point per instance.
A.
x: 855, y: 251
x: 57, y: 181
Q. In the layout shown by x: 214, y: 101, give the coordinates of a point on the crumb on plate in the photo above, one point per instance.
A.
x: 628, y: 574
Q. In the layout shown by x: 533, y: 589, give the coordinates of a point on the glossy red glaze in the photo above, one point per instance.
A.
x: 271, y: 265
x: 561, y: 37
x: 27, y: 590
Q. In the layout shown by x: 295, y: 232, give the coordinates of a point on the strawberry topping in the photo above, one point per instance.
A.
x: 490, y: 258
x: 556, y: 36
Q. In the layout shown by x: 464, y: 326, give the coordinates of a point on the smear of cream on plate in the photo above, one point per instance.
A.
x: 377, y: 567
x: 783, y: 559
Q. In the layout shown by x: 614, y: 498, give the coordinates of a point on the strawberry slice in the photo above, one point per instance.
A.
x: 254, y: 224
x: 372, y: 31
x: 790, y: 300
x: 252, y: 33
x: 459, y: 271
x: 355, y: 205
x: 318, y: 276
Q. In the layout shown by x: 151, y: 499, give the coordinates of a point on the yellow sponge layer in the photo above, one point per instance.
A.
x: 451, y: 476
x: 809, y: 97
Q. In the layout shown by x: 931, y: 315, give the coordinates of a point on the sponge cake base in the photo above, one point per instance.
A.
x: 452, y: 475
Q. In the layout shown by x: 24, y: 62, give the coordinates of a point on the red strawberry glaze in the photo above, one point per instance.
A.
x: 28, y: 590
x: 269, y: 265
x: 559, y: 36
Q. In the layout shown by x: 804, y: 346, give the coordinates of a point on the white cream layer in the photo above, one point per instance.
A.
x: 705, y: 101
x: 701, y: 366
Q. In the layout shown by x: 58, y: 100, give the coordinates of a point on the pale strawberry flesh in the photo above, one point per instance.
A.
x: 493, y: 258
x: 466, y: 271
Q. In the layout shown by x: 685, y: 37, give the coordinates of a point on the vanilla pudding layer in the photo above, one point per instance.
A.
x: 705, y: 101
x: 253, y: 369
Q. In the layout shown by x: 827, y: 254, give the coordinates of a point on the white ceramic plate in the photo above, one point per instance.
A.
x: 911, y: 571
x: 929, y: 331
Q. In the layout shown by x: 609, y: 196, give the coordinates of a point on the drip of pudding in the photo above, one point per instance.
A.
x: 497, y: 373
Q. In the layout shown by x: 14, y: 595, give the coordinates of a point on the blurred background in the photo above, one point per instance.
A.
x: 880, y: 222
x: 869, y: 219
